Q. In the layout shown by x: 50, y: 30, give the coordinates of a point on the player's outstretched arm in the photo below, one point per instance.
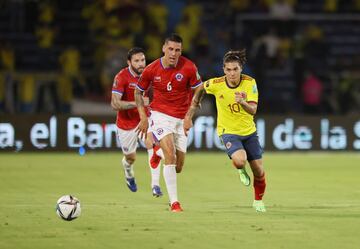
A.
x: 195, y: 103
x: 143, y: 124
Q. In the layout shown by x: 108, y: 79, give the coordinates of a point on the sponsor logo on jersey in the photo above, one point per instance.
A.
x: 157, y: 79
x: 179, y: 76
x: 228, y: 145
x: 132, y: 85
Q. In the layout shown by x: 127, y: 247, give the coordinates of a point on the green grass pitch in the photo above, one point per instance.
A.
x: 313, y: 201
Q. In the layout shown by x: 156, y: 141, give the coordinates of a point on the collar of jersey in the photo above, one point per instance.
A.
x: 233, y: 87
x: 166, y: 68
x: 132, y: 73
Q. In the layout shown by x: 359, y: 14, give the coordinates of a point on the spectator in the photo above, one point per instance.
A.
x: 312, y: 90
x: 348, y: 93
x: 71, y: 80
x: 281, y: 10
x: 27, y: 93
x: 157, y: 14
x: 7, y: 70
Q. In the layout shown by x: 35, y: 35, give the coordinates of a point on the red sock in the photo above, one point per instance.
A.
x: 155, y: 159
x: 259, y: 187
x: 156, y: 148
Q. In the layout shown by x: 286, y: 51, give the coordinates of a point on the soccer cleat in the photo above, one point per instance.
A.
x: 244, y: 177
x: 156, y: 191
x: 175, y: 207
x: 259, y: 206
x: 154, y: 161
x: 130, y: 182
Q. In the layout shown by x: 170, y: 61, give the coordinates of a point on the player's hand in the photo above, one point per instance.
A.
x: 187, y: 125
x: 240, y: 97
x: 146, y: 101
x: 142, y: 128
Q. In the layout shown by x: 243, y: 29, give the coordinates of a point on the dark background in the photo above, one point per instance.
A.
x: 61, y: 56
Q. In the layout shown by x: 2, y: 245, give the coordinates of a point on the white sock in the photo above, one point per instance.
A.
x: 128, y: 168
x: 170, y: 180
x: 155, y: 173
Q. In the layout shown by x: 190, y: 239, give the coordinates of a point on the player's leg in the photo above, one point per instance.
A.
x: 169, y: 171
x: 254, y: 152
x: 164, y: 128
x: 154, y: 161
x: 259, y: 184
x: 180, y: 146
x: 236, y: 152
x: 128, y: 140
x: 180, y: 159
x: 128, y: 164
x: 239, y: 161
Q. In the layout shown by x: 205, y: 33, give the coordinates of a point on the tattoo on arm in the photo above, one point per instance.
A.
x: 127, y: 105
x: 138, y: 98
x: 195, y: 103
x: 118, y: 104
x: 198, y: 96
x: 139, y: 101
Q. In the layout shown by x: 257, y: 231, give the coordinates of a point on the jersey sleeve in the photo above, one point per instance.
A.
x: 252, y: 92
x: 209, y: 87
x: 195, y: 78
x: 144, y: 81
x: 118, y: 86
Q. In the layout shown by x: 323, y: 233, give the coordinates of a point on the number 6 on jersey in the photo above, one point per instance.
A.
x: 169, y: 86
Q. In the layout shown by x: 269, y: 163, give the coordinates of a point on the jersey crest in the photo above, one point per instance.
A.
x: 179, y: 76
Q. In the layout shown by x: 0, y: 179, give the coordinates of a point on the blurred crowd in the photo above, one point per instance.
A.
x: 303, y: 59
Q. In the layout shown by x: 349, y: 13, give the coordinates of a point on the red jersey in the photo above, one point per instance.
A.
x: 124, y: 83
x: 171, y: 86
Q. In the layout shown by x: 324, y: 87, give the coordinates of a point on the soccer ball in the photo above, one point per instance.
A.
x: 68, y: 207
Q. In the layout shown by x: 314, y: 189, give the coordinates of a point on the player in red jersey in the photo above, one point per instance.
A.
x: 172, y: 78
x: 122, y: 100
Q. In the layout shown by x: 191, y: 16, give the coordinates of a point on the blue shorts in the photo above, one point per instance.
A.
x: 248, y: 143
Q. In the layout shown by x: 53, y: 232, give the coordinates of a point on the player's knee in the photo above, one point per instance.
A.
x: 170, y: 158
x: 130, y: 158
x: 258, y: 172
x: 239, y: 163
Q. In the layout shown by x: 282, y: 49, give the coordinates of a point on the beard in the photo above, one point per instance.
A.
x: 138, y: 70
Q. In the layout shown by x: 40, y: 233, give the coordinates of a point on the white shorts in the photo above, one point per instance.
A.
x: 162, y: 125
x: 128, y: 140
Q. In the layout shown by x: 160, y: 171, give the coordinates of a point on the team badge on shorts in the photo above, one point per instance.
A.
x: 179, y: 76
x: 159, y: 131
x: 228, y: 145
x: 126, y: 149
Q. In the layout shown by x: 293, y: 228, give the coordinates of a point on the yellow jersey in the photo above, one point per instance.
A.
x: 231, y: 117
